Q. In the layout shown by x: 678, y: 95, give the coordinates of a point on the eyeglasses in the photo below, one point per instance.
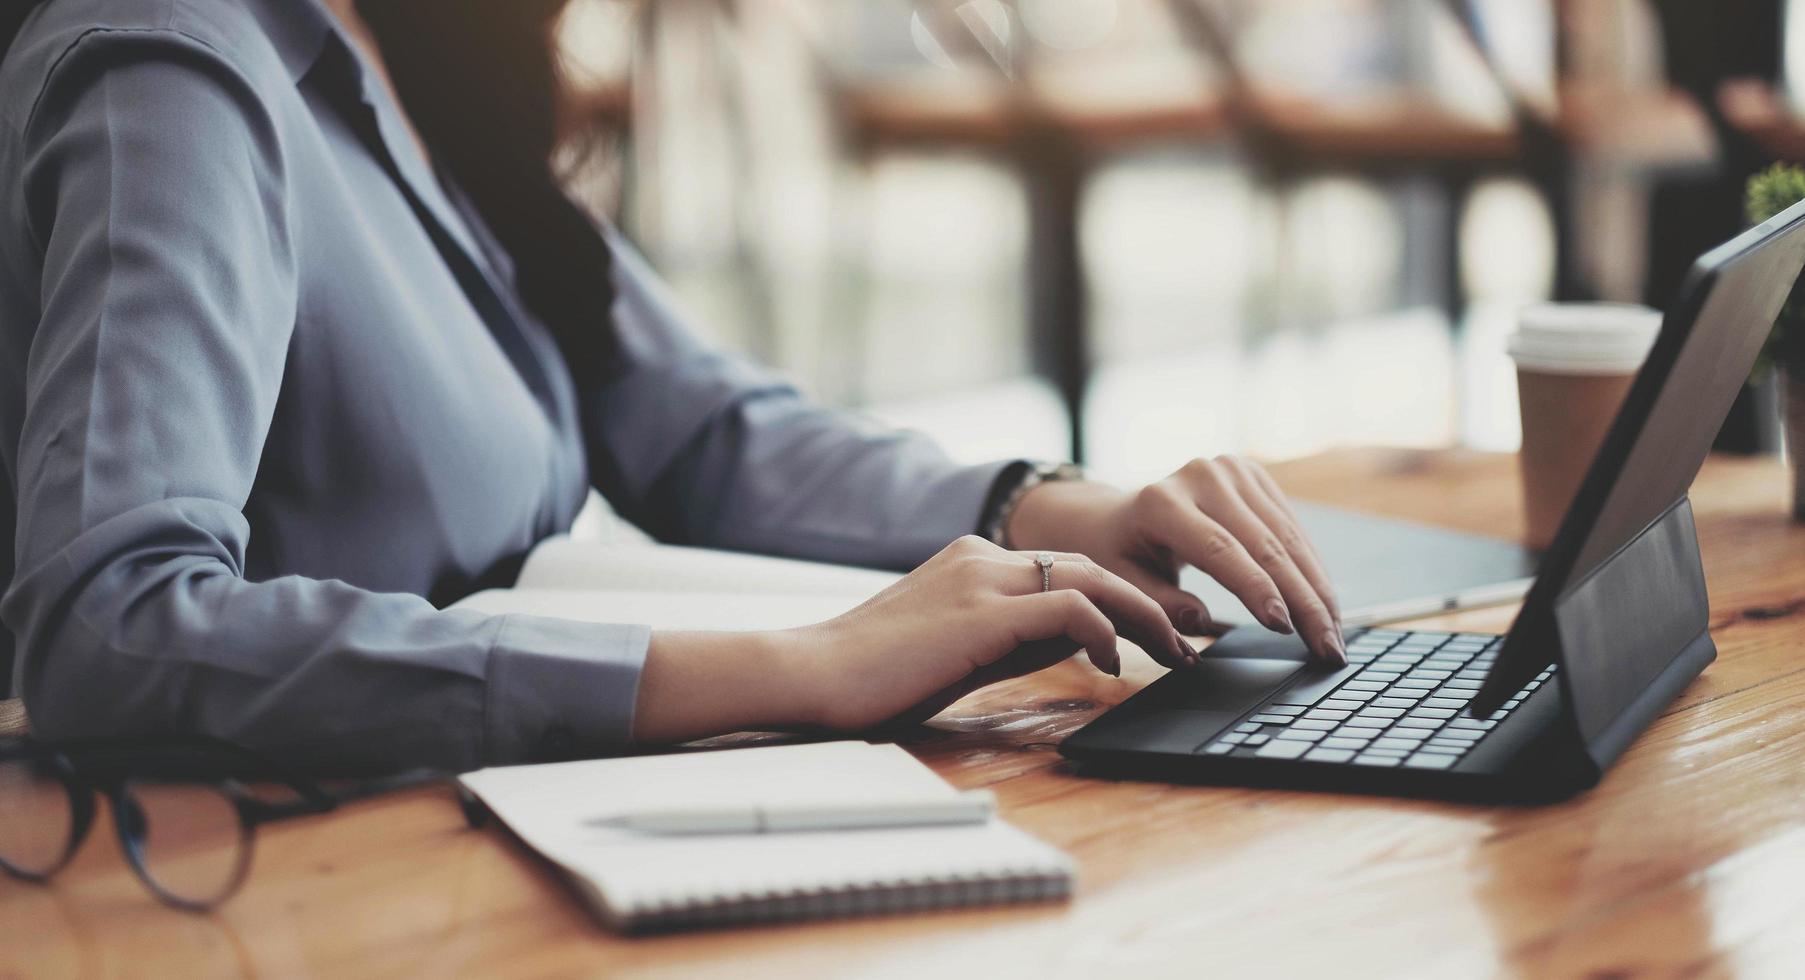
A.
x: 185, y: 816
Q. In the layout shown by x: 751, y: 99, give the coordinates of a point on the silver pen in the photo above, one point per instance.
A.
x: 973, y: 807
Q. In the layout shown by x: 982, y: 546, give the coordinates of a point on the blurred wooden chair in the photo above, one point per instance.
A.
x: 1053, y: 125
x: 13, y: 723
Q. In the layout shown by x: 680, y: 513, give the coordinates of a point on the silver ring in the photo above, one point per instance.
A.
x: 1045, y: 560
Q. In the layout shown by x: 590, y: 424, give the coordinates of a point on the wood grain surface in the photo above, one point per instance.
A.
x: 1688, y: 860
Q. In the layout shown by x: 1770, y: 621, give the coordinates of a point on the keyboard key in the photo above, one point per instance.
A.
x: 1266, y: 719
x: 1232, y: 738
x: 1452, y: 704
x: 1434, y: 749
x: 1369, y: 759
x: 1362, y: 684
x: 1337, y: 742
x: 1415, y: 684
x: 1253, y: 740
x: 1294, y: 736
x: 1282, y: 750
x: 1382, y: 676
x: 1472, y: 724
x: 1377, y: 712
x: 1220, y: 748
x: 1422, y: 761
x: 1326, y: 714
x: 1464, y: 684
x: 1439, y: 714
x: 1282, y: 709
x: 1418, y: 723
x: 1346, y: 695
x: 1310, y: 725
x: 1337, y: 704
x: 1329, y: 755
x: 1393, y: 702
x: 1248, y: 728
x: 1414, y: 734
x: 1393, y: 744
x: 1361, y: 723
x: 1459, y: 735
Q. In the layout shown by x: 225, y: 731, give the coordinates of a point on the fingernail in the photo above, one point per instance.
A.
x: 1331, y: 643
x: 1191, y: 621
x: 1277, y: 618
x: 1184, y: 651
x: 1115, y: 668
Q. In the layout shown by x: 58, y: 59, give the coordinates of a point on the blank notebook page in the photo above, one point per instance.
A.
x: 639, y: 880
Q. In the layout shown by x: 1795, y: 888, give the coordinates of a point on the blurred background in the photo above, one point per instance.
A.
x: 1137, y: 231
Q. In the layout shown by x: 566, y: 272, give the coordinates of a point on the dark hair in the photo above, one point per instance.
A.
x: 481, y: 82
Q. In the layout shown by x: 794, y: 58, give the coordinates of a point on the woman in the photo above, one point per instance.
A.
x: 302, y: 342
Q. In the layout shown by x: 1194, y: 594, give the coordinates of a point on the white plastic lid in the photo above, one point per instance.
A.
x: 1584, y: 338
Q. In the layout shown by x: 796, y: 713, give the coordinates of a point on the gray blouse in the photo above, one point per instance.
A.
x: 270, y: 402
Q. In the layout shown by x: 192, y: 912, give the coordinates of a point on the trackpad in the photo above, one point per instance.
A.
x: 1232, y: 686
x: 1189, y: 706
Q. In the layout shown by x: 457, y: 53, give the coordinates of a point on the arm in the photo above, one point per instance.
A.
x: 700, y: 447
x: 703, y: 448
x: 159, y: 202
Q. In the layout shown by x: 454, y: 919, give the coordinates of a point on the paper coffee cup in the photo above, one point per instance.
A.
x: 1575, y: 362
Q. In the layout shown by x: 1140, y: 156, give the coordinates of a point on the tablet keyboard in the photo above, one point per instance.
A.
x: 1400, y: 702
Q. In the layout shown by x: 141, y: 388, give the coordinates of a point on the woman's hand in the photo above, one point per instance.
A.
x: 1226, y: 516
x: 972, y: 615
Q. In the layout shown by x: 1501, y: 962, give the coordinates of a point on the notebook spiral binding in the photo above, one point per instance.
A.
x: 668, y: 912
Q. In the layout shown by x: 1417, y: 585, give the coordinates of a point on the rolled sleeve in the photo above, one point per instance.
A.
x: 559, y: 689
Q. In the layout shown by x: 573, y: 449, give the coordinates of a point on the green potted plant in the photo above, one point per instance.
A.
x: 1771, y: 192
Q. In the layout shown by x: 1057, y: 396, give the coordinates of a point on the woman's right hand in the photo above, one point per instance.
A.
x: 972, y: 615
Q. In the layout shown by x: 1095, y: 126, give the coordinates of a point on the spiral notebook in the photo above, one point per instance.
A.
x: 644, y: 882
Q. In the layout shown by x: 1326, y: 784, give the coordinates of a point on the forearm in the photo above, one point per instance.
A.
x: 697, y: 684
x: 323, y: 675
x: 699, y: 447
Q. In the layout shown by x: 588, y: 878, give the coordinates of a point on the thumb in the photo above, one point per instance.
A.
x: 1188, y: 613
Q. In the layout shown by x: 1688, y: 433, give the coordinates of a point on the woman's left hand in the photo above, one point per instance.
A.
x: 1227, y: 516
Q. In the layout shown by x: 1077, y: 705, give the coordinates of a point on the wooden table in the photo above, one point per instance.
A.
x: 1687, y: 860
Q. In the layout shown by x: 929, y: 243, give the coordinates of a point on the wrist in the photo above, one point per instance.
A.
x: 699, y: 684
x: 1016, y: 482
x: 803, y: 692
x: 1059, y: 515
